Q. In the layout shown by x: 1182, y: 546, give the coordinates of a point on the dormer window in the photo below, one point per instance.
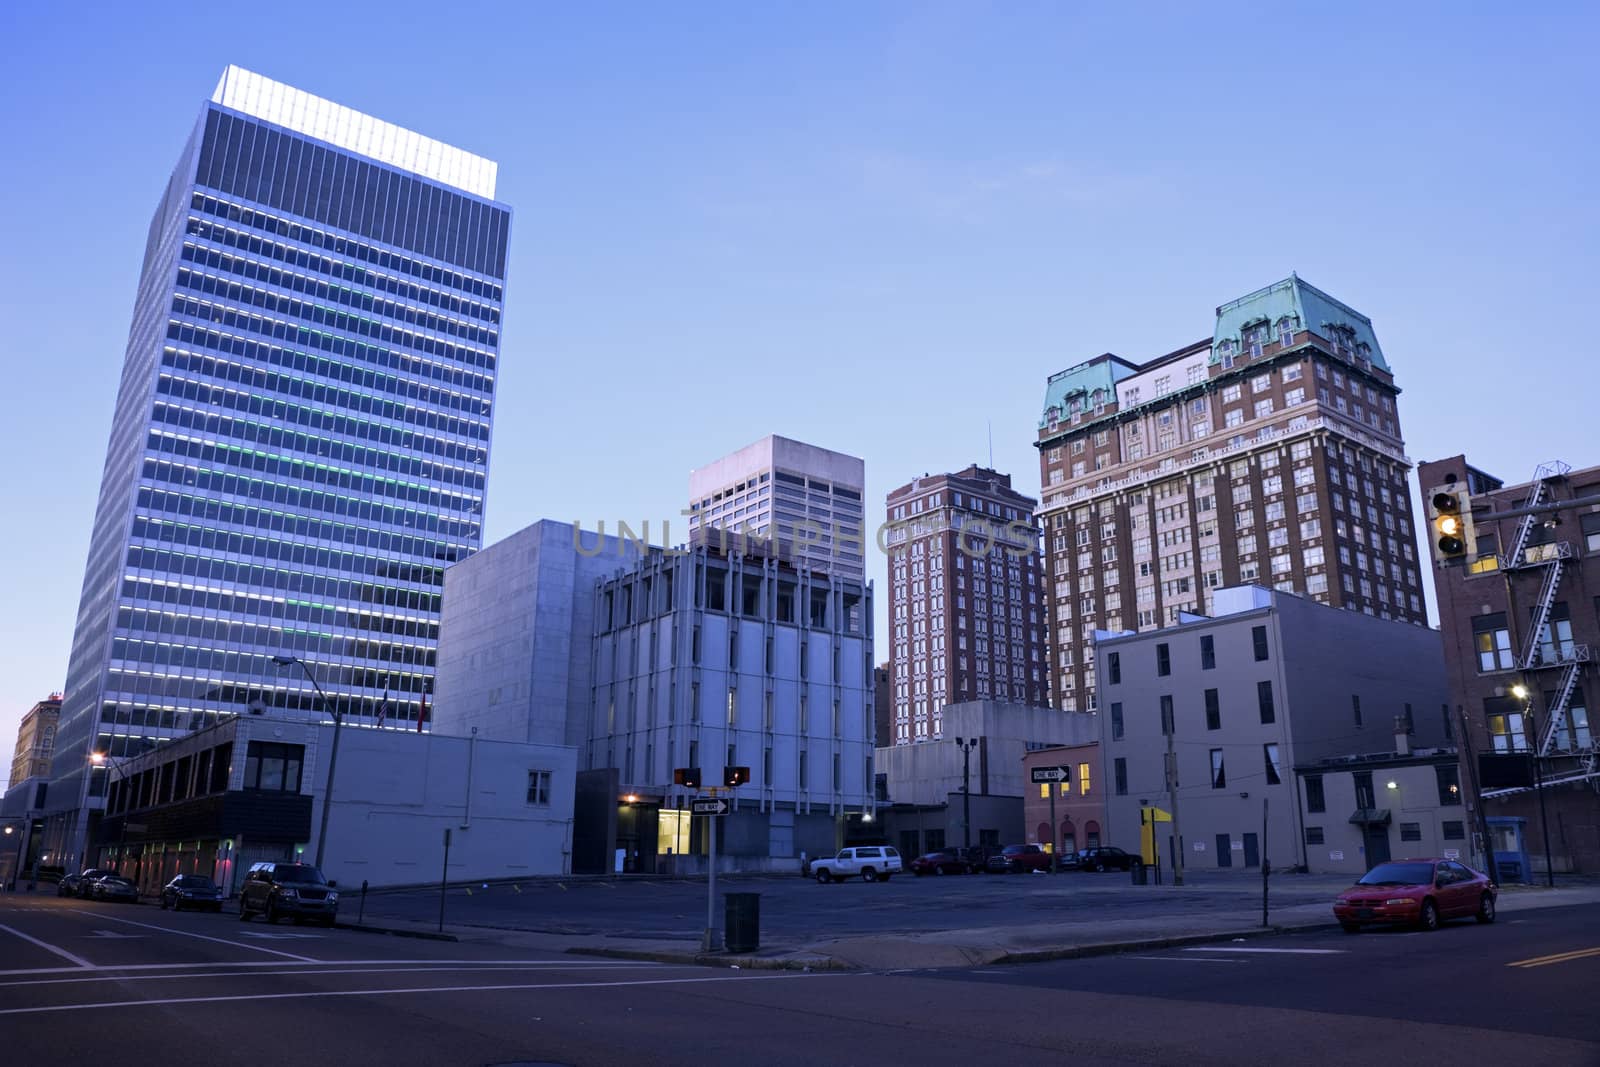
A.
x: 1286, y: 332
x: 1225, y: 350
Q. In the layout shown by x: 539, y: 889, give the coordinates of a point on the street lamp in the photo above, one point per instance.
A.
x: 1522, y: 693
x: 966, y: 746
x: 333, y: 753
x: 17, y: 871
x: 101, y: 759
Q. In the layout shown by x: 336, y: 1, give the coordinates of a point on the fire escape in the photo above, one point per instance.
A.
x: 1542, y: 648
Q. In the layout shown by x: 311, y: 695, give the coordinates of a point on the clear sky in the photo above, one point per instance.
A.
x: 874, y: 227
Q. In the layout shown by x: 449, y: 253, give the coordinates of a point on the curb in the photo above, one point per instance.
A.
x: 423, y: 935
x: 1108, y: 948
x: 705, y: 959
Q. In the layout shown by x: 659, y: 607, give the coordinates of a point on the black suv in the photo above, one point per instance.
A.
x: 296, y: 890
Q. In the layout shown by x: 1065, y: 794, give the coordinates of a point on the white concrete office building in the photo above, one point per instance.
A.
x: 806, y: 498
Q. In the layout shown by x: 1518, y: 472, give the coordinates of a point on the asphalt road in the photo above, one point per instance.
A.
x: 138, y: 985
x: 796, y: 908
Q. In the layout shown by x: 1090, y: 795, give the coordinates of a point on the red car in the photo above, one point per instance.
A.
x: 1423, y: 893
x: 944, y: 861
x: 1018, y: 859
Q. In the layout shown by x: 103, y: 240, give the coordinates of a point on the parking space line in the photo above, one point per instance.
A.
x: 63, y: 953
x: 202, y: 937
x: 315, y: 994
x: 1273, y: 951
x: 1558, y: 957
x: 309, y: 965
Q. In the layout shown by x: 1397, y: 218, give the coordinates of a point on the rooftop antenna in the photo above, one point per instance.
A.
x: 991, y: 444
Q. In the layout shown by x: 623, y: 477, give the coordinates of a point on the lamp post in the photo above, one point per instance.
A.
x: 1522, y: 693
x: 16, y: 873
x: 333, y: 752
x: 101, y: 759
x: 966, y: 746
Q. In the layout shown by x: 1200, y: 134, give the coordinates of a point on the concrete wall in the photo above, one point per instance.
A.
x: 514, y: 653
x: 1414, y: 800
x: 926, y: 773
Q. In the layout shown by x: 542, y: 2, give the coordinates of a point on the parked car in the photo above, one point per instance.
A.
x: 944, y: 861
x: 191, y: 891
x: 294, y: 890
x: 1019, y: 859
x: 76, y: 885
x: 1105, y: 858
x: 1067, y: 861
x: 114, y: 887
x: 1423, y: 893
x: 873, y: 863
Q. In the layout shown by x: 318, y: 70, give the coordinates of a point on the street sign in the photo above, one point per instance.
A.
x: 1052, y: 774
x: 710, y: 806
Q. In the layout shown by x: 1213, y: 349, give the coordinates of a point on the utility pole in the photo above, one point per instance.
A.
x: 709, y: 944
x: 1172, y: 802
x: 1477, y: 792
x: 1055, y: 832
x: 1266, y: 864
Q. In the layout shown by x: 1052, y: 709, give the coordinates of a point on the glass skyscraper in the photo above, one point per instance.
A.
x: 301, y: 434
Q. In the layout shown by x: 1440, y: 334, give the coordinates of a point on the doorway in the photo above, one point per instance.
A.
x: 1377, y: 839
x: 1252, y: 851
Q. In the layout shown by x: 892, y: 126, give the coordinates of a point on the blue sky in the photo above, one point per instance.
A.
x: 875, y: 227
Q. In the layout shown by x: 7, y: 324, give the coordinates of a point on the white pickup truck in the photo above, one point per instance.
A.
x: 874, y: 863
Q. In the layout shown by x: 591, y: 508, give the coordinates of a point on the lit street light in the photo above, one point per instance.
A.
x: 1522, y: 693
x: 333, y: 754
x: 101, y: 759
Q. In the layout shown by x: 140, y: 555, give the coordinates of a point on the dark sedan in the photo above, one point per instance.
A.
x: 115, y: 887
x: 1105, y: 858
x: 944, y: 861
x: 191, y: 891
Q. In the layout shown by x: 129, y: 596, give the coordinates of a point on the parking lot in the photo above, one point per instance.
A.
x: 795, y: 907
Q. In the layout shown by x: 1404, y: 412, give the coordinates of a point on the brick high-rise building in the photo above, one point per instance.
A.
x: 36, y: 740
x: 966, y: 619
x: 1268, y: 453
x: 1526, y: 612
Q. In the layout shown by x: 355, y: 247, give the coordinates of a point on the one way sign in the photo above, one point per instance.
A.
x: 1052, y: 774
x: 710, y: 806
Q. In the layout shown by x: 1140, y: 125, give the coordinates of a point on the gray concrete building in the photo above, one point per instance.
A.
x: 714, y: 659
x: 923, y: 785
x: 805, y: 499
x: 1271, y: 682
x: 1414, y: 797
x: 514, y: 656
x: 252, y: 788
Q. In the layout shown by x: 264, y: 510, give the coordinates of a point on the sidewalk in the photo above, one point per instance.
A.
x: 968, y: 946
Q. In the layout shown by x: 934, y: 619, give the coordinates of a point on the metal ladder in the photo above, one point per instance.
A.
x: 1541, y: 615
x: 1541, y: 490
x: 1555, y: 717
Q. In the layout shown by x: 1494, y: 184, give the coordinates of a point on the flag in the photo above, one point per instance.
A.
x: 383, y: 708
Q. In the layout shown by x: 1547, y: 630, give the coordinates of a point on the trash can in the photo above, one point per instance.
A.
x: 741, y: 922
x: 1140, y: 877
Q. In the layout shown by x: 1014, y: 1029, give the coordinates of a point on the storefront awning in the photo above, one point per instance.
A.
x: 1371, y: 817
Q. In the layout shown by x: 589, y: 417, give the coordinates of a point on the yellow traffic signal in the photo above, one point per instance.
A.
x: 1450, y: 512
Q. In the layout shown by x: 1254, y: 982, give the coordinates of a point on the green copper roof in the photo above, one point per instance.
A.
x: 1309, y: 306
x: 1081, y: 382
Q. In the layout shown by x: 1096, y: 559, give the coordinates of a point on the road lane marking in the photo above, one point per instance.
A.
x: 63, y: 953
x: 101, y: 977
x: 203, y: 937
x: 1283, y: 951
x: 1184, y: 959
x: 1558, y: 957
x: 113, y: 934
x: 312, y: 995
x: 308, y: 964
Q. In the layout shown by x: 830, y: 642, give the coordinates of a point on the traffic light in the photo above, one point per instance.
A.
x: 732, y: 776
x: 1450, y: 513
x: 688, y: 777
